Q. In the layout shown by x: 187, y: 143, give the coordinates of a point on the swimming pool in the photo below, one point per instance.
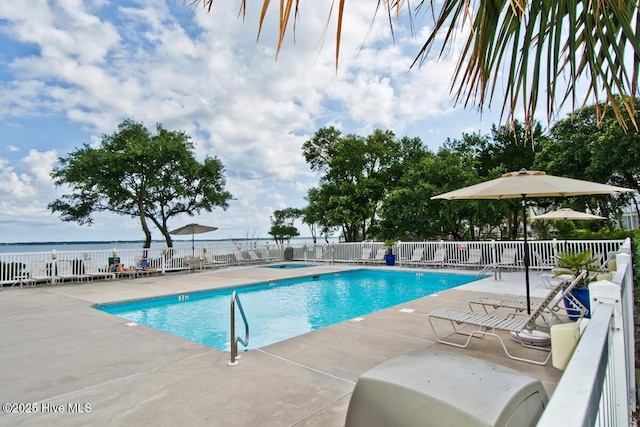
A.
x: 284, y: 309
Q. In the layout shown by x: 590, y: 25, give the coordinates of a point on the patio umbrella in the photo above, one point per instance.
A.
x: 193, y: 229
x: 528, y: 184
x: 565, y: 214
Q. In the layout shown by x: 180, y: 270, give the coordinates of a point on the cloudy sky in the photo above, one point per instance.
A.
x: 71, y: 70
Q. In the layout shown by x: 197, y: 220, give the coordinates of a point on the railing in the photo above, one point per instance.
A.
x: 235, y: 299
x: 599, y: 384
x: 540, y: 251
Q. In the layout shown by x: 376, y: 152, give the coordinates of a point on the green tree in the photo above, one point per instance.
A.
x: 580, y: 147
x: 152, y: 177
x: 357, y: 174
x: 542, y: 47
x: 282, y: 228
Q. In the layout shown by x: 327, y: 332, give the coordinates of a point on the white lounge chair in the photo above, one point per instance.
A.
x: 92, y: 272
x: 524, y: 330
x: 38, y: 272
x: 64, y: 271
x: 378, y: 258
x: 240, y: 258
x: 508, y: 258
x: 474, y: 259
x: 364, y: 257
x: 439, y: 257
x: 210, y: 261
x: 416, y: 257
x: 543, y: 263
x: 264, y: 255
x: 558, y: 294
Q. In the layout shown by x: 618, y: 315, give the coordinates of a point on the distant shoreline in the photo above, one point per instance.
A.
x: 116, y: 242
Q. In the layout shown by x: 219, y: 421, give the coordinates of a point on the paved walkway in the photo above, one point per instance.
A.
x: 70, y: 364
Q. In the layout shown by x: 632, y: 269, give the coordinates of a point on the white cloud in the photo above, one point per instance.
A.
x: 90, y: 64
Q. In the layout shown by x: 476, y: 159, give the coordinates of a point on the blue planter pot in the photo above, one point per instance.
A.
x: 582, y: 295
x: 390, y: 259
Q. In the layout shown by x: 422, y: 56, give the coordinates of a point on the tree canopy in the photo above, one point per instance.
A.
x: 282, y: 228
x: 152, y: 177
x: 393, y: 199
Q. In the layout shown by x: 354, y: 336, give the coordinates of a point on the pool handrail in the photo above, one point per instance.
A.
x: 235, y: 299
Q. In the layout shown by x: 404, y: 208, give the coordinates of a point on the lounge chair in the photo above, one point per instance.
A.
x: 543, y: 263
x: 524, y: 330
x: 210, y: 261
x: 438, y: 259
x: 473, y: 260
x: 379, y: 256
x: 365, y: 257
x: 240, y: 259
x: 92, y: 272
x: 416, y: 257
x: 264, y: 254
x: 508, y: 258
x: 253, y: 256
x: 64, y: 271
x: 193, y: 263
x: 563, y: 289
x: 38, y: 272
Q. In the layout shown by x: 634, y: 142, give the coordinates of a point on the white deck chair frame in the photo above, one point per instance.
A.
x: 487, y: 325
x: 474, y: 259
x: 91, y: 270
x: 416, y: 257
x: 558, y: 294
x: 439, y: 258
x: 508, y: 258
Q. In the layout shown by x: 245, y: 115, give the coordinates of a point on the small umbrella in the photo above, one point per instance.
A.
x: 565, y: 214
x: 193, y: 229
x: 526, y: 184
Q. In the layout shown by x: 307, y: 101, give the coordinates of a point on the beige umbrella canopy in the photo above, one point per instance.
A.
x: 524, y: 183
x: 566, y: 214
x: 528, y: 184
x: 193, y: 229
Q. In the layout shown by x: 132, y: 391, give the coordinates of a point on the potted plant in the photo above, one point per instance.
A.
x: 389, y: 257
x: 574, y: 264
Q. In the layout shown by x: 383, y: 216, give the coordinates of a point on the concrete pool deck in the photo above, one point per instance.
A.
x: 75, y: 365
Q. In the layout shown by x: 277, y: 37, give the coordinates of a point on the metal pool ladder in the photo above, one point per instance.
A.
x: 235, y: 299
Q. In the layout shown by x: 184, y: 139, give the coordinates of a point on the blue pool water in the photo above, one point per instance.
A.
x: 284, y: 309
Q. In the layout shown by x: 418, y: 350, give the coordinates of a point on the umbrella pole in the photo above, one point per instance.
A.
x: 193, y: 245
x: 526, y: 252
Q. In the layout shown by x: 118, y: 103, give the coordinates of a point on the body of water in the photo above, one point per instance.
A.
x: 137, y: 244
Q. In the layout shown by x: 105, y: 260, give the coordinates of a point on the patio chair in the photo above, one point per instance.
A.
x: 416, y: 257
x: 38, y: 272
x: 253, y: 256
x: 543, y: 263
x: 193, y: 263
x: 91, y: 270
x: 438, y: 259
x: 264, y: 254
x: 64, y: 271
x: 508, y: 258
x: 473, y: 260
x: 210, y: 261
x: 563, y: 289
x: 523, y: 330
x: 364, y: 257
x: 378, y: 258
x: 240, y: 258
